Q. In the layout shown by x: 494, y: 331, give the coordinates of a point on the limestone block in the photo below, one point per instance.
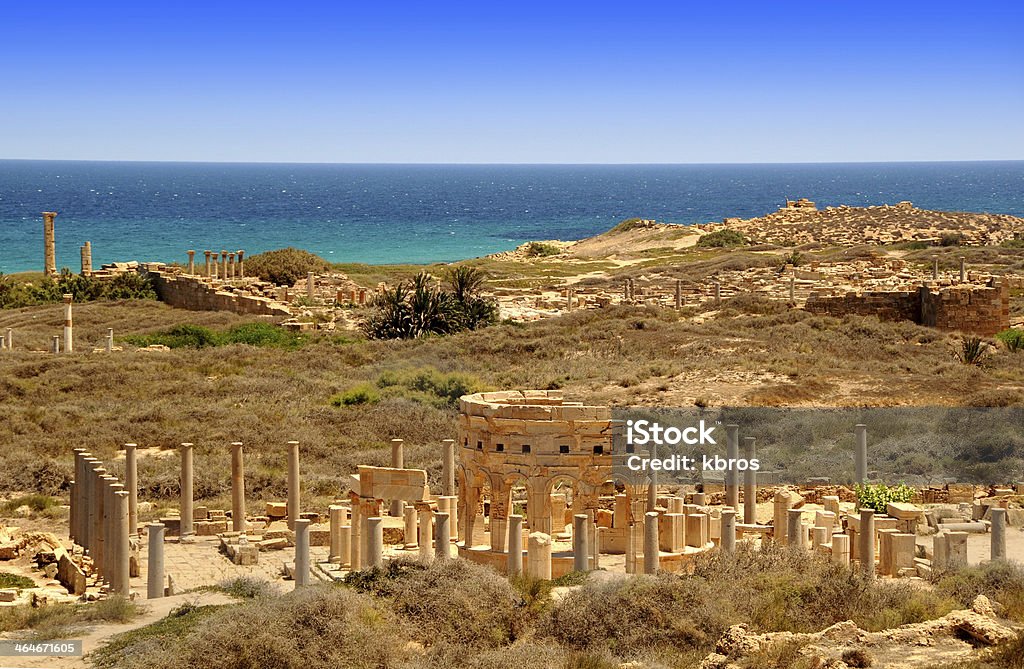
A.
x: 320, y: 535
x: 277, y: 510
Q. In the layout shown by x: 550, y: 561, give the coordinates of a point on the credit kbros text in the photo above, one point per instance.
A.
x: 647, y: 433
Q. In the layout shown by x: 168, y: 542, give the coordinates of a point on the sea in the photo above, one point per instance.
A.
x: 430, y: 213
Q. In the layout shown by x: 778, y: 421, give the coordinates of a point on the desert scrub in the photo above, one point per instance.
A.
x: 721, y: 239
x: 541, y: 250
x: 972, y: 351
x: 36, y: 503
x: 54, y: 621
x: 364, y: 393
x: 285, y: 266
x: 15, y: 581
x: 429, y: 386
x: 877, y: 496
x: 1000, y: 581
x: 196, y: 336
x: 43, y: 289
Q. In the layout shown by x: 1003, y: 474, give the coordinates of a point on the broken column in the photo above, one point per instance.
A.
x: 155, y: 566
x: 191, y: 262
x: 729, y: 531
x: 55, y: 344
x: 651, y: 542
x: 49, y: 247
x: 957, y: 549
x: 841, y: 549
x: 860, y: 434
x: 397, y: 462
x: 293, y: 483
x: 241, y: 264
x: 131, y: 483
x: 442, y: 536
x: 185, y: 503
x: 209, y: 272
x: 935, y: 268
x: 426, y: 534
x: 795, y: 529
x: 963, y: 269
x: 448, y: 467
x: 109, y: 344
x: 375, y: 542
x: 310, y: 285
x: 718, y: 293
x: 336, y: 517
x: 749, y: 483
x: 679, y: 293
x: 579, y: 542
x: 515, y: 545
x: 10, y: 339
x: 69, y: 344
x: 538, y: 556
x: 237, y: 488
x: 409, y: 514
x: 783, y: 504
x: 301, y: 552
x: 732, y: 475
x: 866, y: 550
x: 998, y: 548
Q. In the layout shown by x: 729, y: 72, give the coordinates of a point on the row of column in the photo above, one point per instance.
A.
x: 629, y: 292
x: 101, y: 514
x: 224, y: 265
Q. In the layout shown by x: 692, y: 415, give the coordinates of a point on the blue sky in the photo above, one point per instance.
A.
x: 630, y: 82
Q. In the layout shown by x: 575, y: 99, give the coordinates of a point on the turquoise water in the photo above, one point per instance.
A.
x: 428, y: 213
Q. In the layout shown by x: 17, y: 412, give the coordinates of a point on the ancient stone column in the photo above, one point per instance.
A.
x: 355, y: 544
x: 592, y: 548
x: 442, y: 536
x: 679, y: 293
x: 625, y: 290
x: 185, y: 503
x: 77, y: 499
x: 336, y: 516
x: 700, y: 499
x: 819, y: 538
x: 10, y: 339
x: 796, y: 532
x: 98, y: 513
x: 448, y: 467
x: 998, y: 550
x: 55, y: 344
x: 191, y: 262
x: 310, y: 285
x: 963, y: 269
x: 651, y: 542
x: 718, y: 293
x: 426, y: 535
x: 633, y: 533
x: 131, y: 484
x: 231, y: 264
x: 398, y: 462
x: 85, y: 271
x: 237, y: 488
x: 110, y: 528
x: 860, y: 434
x: 515, y: 545
x: 792, y: 289
x: 729, y: 531
x: 293, y: 483
x: 209, y: 272
x: 867, y: 542
x: 375, y: 542
x: 49, y: 247
x: 155, y: 566
x: 538, y: 556
x: 88, y: 258
x: 224, y: 264
x: 89, y: 501
x: 453, y: 513
x: 732, y: 475
x: 69, y: 343
x: 110, y: 340
x: 935, y: 268
x: 410, y: 528
x: 749, y: 483
x: 940, y: 552
x: 841, y: 548
x: 121, y: 553
x: 579, y: 542
x: 301, y: 552
x: 241, y: 264
x: 783, y: 503
x: 957, y: 551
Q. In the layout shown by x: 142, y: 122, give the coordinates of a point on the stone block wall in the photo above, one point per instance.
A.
x: 975, y: 309
x: 203, y: 294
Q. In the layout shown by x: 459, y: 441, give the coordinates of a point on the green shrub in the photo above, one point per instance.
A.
x: 196, y: 336
x: 179, y: 336
x: 1013, y: 243
x: 247, y: 587
x: 972, y: 351
x: 261, y: 334
x: 46, y: 290
x: 951, y: 239
x: 36, y: 503
x: 877, y: 496
x: 16, y: 581
x: 429, y: 386
x: 1013, y: 339
x: 541, y: 249
x: 364, y: 393
x: 722, y: 238
x: 285, y: 266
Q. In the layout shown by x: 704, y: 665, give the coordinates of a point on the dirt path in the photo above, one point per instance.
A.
x: 95, y: 636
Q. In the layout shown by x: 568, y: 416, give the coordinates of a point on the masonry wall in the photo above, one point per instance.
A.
x: 981, y: 310
x: 199, y: 294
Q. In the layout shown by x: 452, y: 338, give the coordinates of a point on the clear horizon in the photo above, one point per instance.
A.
x: 454, y: 83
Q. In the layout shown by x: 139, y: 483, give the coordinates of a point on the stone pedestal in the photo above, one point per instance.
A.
x: 697, y: 534
x: 539, y: 556
x: 442, y: 536
x: 336, y: 518
x: 729, y: 531
x: 426, y: 542
x: 155, y: 566
x: 410, y: 528
x: 783, y: 503
x: 841, y: 548
x: 795, y: 528
x: 957, y: 542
